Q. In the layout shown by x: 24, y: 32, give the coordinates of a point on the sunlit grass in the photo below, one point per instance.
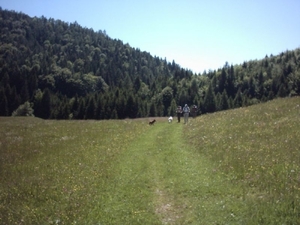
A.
x: 234, y: 167
x: 257, y: 149
x: 53, y: 172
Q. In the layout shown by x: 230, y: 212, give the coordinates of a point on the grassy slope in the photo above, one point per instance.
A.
x: 257, y: 149
x: 234, y: 167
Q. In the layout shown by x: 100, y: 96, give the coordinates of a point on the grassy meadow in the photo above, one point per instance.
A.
x: 55, y: 171
x: 233, y: 167
x: 257, y: 149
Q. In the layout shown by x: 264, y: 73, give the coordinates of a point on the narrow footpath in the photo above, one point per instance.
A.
x: 163, y: 181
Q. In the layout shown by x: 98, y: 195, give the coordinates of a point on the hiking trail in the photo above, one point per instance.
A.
x: 178, y: 184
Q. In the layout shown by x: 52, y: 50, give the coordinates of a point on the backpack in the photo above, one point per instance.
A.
x: 186, y: 109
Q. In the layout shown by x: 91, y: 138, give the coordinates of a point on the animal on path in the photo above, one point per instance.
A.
x: 152, y: 122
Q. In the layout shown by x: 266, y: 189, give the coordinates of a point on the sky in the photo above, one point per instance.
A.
x: 197, y: 34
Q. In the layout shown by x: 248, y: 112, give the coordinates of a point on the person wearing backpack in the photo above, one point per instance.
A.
x: 186, y: 112
x: 179, y: 112
x: 194, y: 111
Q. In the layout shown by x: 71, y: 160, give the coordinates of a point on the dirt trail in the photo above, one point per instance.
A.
x: 162, y: 146
x: 172, y: 182
x: 151, y: 160
x: 166, y: 140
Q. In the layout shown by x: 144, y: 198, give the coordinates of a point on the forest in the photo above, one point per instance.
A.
x: 57, y: 70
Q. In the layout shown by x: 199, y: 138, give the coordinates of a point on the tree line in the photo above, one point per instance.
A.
x: 62, y: 70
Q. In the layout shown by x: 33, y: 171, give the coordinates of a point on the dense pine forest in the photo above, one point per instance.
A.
x: 57, y: 70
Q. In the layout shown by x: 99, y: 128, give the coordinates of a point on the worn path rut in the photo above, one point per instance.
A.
x: 171, y: 181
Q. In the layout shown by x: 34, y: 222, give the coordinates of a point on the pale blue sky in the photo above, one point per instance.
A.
x: 197, y: 34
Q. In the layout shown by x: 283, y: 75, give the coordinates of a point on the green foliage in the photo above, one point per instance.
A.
x: 132, y: 107
x: 3, y: 103
x: 45, y: 105
x: 172, y: 109
x: 238, y: 100
x: 153, y: 110
x: 224, y: 105
x: 70, y: 60
x: 167, y: 96
x: 209, y: 103
x: 90, y: 109
x: 24, y: 110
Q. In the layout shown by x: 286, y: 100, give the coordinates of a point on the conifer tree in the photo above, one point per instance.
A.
x: 74, y: 105
x: 209, y: 103
x: 37, y: 99
x: 160, y: 108
x: 25, y: 93
x: 13, y: 99
x: 114, y: 114
x: 230, y: 89
x: 222, y: 81
x: 167, y: 96
x: 45, y: 106
x: 137, y: 84
x: 91, y: 108
x: 3, y: 103
x: 81, y: 110
x: 194, y: 89
x: 172, y: 109
x: 121, y: 107
x: 238, y: 100
x: 282, y: 92
x: 218, y: 101
x: 251, y: 87
x: 63, y: 111
x: 99, y: 110
x: 132, y: 107
x: 152, y: 111
x: 224, y: 101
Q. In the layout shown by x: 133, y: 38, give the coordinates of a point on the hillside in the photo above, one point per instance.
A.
x: 239, y: 166
x: 68, y: 71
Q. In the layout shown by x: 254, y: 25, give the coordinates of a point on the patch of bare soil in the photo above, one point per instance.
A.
x: 165, y: 208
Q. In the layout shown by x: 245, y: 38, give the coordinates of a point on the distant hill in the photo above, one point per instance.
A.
x: 69, y: 71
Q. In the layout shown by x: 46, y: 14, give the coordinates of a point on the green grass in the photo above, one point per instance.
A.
x: 235, y: 167
x: 257, y: 149
x: 57, y: 171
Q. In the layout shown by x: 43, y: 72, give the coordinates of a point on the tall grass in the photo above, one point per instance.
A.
x: 234, y: 167
x: 53, y: 172
x: 257, y: 149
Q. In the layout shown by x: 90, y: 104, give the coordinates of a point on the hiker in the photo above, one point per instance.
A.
x: 179, y: 111
x: 194, y: 111
x: 186, y: 112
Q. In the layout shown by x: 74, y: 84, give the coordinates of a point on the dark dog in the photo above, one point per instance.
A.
x: 152, y: 122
